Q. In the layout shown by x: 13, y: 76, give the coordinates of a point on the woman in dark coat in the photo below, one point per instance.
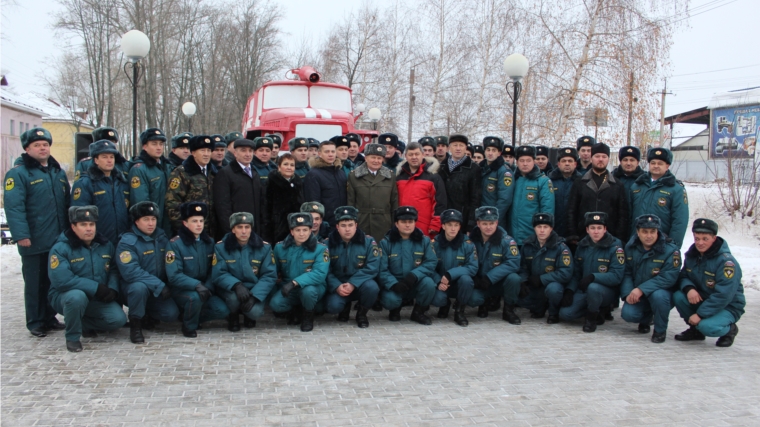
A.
x: 284, y: 195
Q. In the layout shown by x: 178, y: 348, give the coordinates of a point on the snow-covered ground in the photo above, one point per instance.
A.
x: 743, y: 237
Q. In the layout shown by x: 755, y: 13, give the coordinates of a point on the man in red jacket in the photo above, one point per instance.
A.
x: 419, y: 185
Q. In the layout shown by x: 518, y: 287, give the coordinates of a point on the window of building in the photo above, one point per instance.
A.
x: 13, y: 125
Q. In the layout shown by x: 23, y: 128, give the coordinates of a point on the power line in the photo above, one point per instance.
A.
x: 715, y: 71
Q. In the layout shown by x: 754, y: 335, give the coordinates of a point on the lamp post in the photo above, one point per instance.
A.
x: 374, y: 116
x: 516, y: 67
x: 188, y: 109
x: 135, y: 45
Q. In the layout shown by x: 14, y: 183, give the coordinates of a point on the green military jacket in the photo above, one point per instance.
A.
x: 74, y: 266
x: 148, y: 180
x: 188, y: 261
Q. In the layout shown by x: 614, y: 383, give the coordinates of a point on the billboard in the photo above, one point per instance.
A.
x: 734, y: 131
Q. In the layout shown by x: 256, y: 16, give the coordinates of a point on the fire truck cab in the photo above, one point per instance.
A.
x: 302, y: 106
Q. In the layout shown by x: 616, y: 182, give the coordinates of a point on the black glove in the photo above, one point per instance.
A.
x: 287, y: 287
x: 400, y: 287
x: 102, y: 292
x: 583, y: 284
x: 248, y: 305
x: 165, y: 292
x: 203, y: 292
x: 482, y: 283
x: 241, y: 292
x: 410, y: 279
x: 567, y: 298
x: 535, y: 281
x: 524, y: 290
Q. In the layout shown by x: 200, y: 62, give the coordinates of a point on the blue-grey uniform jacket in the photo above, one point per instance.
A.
x: 665, y: 198
x: 497, y: 187
x: 533, y: 193
x: 72, y: 265
x: 604, y: 259
x: 457, y: 257
x: 141, y: 259
x: 307, y: 264
x: 252, y: 265
x: 354, y: 262
x: 399, y: 257
x: 498, y: 257
x: 188, y: 261
x: 552, y: 262
x: 110, y: 194
x: 651, y: 270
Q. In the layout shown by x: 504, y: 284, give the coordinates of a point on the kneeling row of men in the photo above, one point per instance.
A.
x: 191, y: 278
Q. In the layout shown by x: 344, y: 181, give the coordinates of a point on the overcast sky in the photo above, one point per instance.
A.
x: 721, y: 35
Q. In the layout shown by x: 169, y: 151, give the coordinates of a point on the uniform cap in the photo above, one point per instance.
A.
x: 87, y: 213
x: 151, y: 134
x: 543, y: 218
x: 705, y: 225
x: 189, y: 209
x: 241, y: 218
x: 34, y: 135
x: 346, y: 212
x: 315, y: 207
x: 300, y: 219
x: 405, y: 212
x: 487, y: 213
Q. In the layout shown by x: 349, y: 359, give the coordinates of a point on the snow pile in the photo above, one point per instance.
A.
x: 743, y: 237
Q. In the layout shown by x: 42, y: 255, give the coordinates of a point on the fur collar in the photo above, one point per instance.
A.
x: 605, y: 242
x: 231, y: 243
x: 667, y: 180
x: 276, y: 180
x: 192, y: 167
x: 618, y: 173
x: 557, y: 174
x: 188, y: 238
x: 150, y: 161
x: 96, y: 174
x: 532, y: 175
x: 455, y: 244
x: 430, y: 165
x: 395, y: 236
x: 712, y: 251
x: 588, y: 177
x: 494, y: 166
x: 317, y: 162
x: 31, y: 163
x: 363, y: 169
x: 309, y: 245
x: 335, y: 240
x: 477, y: 236
x: 75, y: 242
x: 552, y: 242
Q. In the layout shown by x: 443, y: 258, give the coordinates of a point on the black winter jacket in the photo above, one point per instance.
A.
x: 283, y: 197
x: 235, y: 192
x: 326, y: 184
x: 463, y: 187
x: 610, y: 198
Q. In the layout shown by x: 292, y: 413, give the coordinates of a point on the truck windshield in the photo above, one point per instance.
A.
x: 286, y: 97
x: 331, y: 98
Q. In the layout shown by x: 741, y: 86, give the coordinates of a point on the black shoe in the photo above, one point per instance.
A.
x: 233, y: 323
x: 494, y: 303
x: 89, y: 333
x: 74, y: 346
x: 135, y: 330
x: 591, y: 321
x: 188, y: 332
x: 345, y: 314
x: 552, y: 319
x: 295, y: 317
x: 643, y: 328
x: 248, y: 323
x: 691, y: 334
x: 55, y: 325
x: 307, y: 324
x: 658, y: 337
x: 377, y: 306
x: 510, y: 316
x: 394, y: 315
x: 418, y: 315
x: 606, y: 314
x: 148, y: 323
x: 361, y: 317
x: 459, y: 317
x: 728, y: 339
x: 38, y: 332
x: 443, y: 312
x: 483, y: 311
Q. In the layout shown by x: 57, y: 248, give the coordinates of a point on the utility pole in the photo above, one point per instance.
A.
x: 662, y: 114
x: 630, y: 109
x: 411, y: 105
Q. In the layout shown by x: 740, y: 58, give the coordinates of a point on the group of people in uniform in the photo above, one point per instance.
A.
x: 227, y: 226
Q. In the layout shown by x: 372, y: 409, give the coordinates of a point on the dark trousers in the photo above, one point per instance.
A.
x: 39, y: 312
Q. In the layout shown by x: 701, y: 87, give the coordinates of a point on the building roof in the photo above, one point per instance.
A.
x: 14, y: 102
x: 735, y: 98
x: 698, y: 142
x: 53, y: 111
x: 699, y: 116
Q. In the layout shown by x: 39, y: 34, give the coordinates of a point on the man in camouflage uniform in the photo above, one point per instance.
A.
x: 192, y: 182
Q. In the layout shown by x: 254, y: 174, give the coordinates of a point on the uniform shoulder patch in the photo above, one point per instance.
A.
x: 326, y: 255
x: 213, y: 260
x: 170, y: 257
x: 174, y: 184
x: 125, y: 257
x: 135, y: 182
x: 9, y: 184
x: 54, y: 262
x: 77, y: 193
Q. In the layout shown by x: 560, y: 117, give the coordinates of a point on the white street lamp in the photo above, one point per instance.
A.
x: 135, y: 45
x: 516, y: 67
x: 374, y: 115
x: 189, y: 109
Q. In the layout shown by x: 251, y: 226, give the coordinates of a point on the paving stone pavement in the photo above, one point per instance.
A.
x: 392, y: 374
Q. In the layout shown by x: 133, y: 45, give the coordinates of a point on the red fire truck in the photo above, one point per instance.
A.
x: 302, y: 106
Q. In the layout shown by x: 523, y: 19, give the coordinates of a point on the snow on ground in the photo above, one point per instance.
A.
x: 743, y: 237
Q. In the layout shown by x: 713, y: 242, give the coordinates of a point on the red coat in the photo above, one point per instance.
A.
x: 425, y: 191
